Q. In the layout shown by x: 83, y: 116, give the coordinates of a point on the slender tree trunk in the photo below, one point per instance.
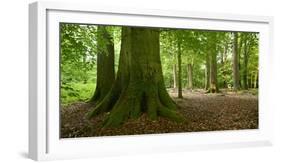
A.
x: 139, y: 86
x: 240, y: 40
x: 179, y: 70
x: 207, y: 72
x: 105, y: 65
x: 256, y: 80
x: 245, y: 65
x: 84, y: 62
x: 190, y: 71
x: 251, y: 80
x: 235, y: 60
x: 213, y: 73
x: 223, y: 59
x: 175, y: 78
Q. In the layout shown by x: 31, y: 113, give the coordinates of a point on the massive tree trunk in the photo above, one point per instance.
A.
x: 235, y: 61
x: 213, y: 73
x: 207, y: 72
x: 189, y: 70
x: 105, y: 64
x: 139, y: 86
x: 179, y: 69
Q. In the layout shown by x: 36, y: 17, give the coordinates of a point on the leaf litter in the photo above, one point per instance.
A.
x: 202, y: 112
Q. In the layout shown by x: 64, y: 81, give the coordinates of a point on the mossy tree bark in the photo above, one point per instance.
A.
x: 105, y: 64
x: 139, y: 86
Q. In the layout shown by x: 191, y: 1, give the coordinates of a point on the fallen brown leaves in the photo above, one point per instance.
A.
x: 203, y: 112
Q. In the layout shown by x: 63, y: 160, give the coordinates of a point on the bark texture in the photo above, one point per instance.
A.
x: 235, y: 66
x: 213, y: 73
x: 139, y: 86
x: 105, y: 65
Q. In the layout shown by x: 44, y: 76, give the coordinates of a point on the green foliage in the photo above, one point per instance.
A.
x: 78, y: 57
x: 78, y: 48
x: 78, y: 52
x: 73, y: 92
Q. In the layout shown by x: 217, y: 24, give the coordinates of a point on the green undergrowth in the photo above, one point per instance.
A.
x: 74, y: 92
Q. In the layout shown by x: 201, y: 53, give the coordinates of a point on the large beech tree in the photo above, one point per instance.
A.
x: 105, y: 64
x: 139, y: 86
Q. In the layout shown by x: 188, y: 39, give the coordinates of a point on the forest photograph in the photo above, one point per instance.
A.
x: 126, y: 80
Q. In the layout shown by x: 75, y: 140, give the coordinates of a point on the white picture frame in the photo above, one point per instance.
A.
x: 44, y: 141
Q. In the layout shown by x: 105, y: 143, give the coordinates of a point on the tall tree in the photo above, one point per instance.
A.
x: 235, y: 64
x: 213, y: 61
x: 175, y: 76
x: 105, y: 64
x: 256, y: 82
x: 250, y: 44
x: 245, y: 62
x: 213, y: 73
x: 179, y: 51
x: 240, y: 45
x: 207, y: 72
x: 190, y: 74
x: 224, y: 62
x: 134, y: 93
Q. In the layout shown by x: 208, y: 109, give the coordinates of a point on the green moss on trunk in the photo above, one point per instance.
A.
x: 105, y: 64
x: 139, y: 86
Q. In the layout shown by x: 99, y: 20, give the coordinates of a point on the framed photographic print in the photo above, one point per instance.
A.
x: 108, y: 81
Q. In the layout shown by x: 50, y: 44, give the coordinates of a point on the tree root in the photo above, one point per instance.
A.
x: 132, y: 102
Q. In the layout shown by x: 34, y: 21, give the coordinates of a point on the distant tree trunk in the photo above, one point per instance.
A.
x: 213, y: 73
x: 223, y: 58
x: 190, y: 71
x: 105, y: 65
x: 179, y: 70
x: 207, y: 72
x: 139, y: 86
x: 240, y: 40
x: 256, y: 80
x: 235, y: 60
x: 251, y: 80
x: 84, y: 62
x: 175, y: 74
x: 245, y: 65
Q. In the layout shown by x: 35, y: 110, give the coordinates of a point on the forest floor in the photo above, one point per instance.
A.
x: 202, y: 112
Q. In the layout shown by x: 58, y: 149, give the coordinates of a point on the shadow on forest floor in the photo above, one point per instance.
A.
x: 203, y: 112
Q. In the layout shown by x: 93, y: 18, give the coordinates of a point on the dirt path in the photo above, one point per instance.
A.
x: 203, y: 112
